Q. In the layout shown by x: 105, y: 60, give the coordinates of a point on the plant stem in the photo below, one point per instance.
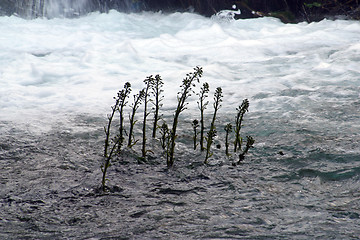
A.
x: 108, y: 154
x: 242, y: 109
x: 108, y: 162
x: 122, y: 95
x: 164, y: 130
x: 195, y: 125
x: 149, y: 82
x: 107, y: 130
x: 228, y: 129
x: 156, y: 89
x: 187, y: 85
x: 249, y: 144
x: 212, y: 133
x: 202, y: 106
x: 209, y: 140
x: 137, y: 101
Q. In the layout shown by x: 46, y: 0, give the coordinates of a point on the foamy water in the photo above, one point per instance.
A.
x: 71, y: 65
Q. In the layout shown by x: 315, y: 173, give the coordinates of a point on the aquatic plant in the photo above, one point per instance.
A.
x: 149, y: 81
x: 164, y: 131
x: 153, y: 87
x: 212, y: 132
x: 241, y: 110
x: 122, y: 95
x: 187, y: 84
x: 157, y: 91
x: 134, y: 107
x: 249, y: 144
x: 116, y: 143
x: 217, y: 104
x: 202, y: 106
x: 109, y: 150
x: 228, y: 130
x: 195, y: 125
x: 107, y: 129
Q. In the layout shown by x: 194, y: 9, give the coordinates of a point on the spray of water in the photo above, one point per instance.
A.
x: 52, y: 8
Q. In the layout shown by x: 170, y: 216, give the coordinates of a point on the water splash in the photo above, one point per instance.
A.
x: 52, y: 8
x: 72, y: 8
x: 227, y: 15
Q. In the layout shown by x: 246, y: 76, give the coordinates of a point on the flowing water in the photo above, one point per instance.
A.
x: 58, y: 78
x: 52, y: 8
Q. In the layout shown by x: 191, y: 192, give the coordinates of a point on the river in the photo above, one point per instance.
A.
x: 58, y: 78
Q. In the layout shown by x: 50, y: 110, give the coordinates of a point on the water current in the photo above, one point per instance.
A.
x: 58, y: 78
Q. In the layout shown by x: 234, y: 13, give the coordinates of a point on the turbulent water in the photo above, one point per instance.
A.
x: 51, y: 8
x: 58, y: 78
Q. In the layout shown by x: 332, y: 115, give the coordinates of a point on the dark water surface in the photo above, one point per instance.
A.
x: 290, y: 186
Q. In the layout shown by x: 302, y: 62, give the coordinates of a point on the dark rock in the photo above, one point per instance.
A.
x: 7, y: 7
x: 286, y: 10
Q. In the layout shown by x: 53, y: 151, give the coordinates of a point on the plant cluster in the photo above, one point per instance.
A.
x: 152, y: 93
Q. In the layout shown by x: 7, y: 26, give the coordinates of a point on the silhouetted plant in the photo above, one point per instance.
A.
x: 202, y: 106
x: 217, y: 104
x: 186, y: 86
x: 122, y: 95
x: 157, y: 91
x: 149, y: 81
x: 249, y: 144
x: 212, y: 133
x: 228, y: 130
x: 242, y: 109
x: 164, y: 131
x: 107, y: 163
x: 117, y: 141
x: 195, y: 125
x: 107, y: 129
x: 137, y: 101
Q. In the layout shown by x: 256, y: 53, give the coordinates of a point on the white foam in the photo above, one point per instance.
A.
x: 78, y: 65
